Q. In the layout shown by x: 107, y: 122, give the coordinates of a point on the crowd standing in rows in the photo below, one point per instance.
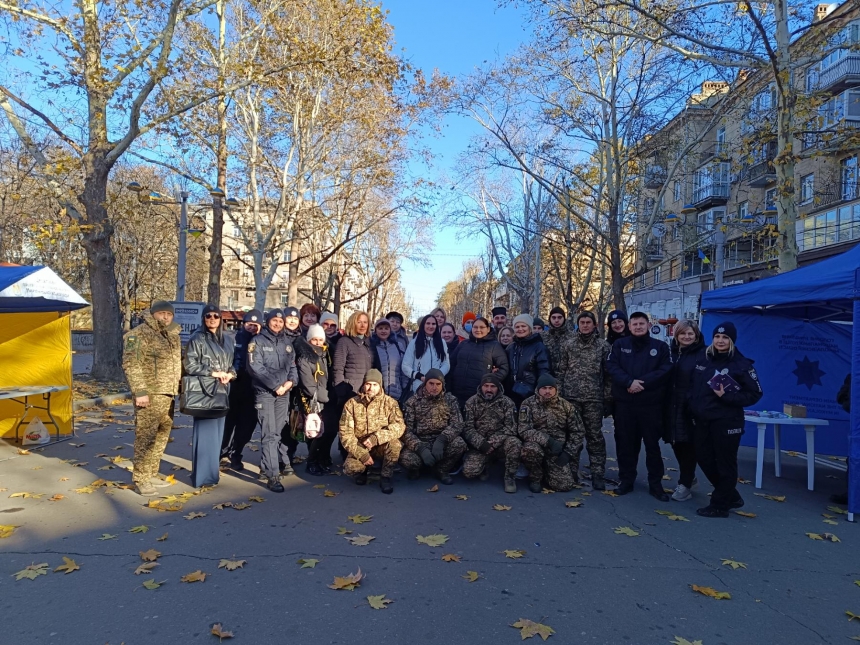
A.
x: 529, y: 395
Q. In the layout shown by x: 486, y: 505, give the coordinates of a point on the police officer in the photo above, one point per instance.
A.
x: 272, y: 366
x: 292, y: 335
x: 242, y: 418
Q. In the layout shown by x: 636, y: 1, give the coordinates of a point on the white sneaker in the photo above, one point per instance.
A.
x: 682, y: 493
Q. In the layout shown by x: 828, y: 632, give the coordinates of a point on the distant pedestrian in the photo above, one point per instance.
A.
x: 426, y: 351
x: 556, y: 335
x: 242, y: 417
x: 449, y: 335
x: 152, y: 361
x: 617, y: 326
x: 472, y: 359
x: 505, y: 336
x: 527, y: 358
x: 500, y: 317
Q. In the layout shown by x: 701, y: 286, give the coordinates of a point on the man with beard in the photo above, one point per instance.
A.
x: 490, y: 431
x: 555, y: 337
x: 500, y: 317
x: 242, y: 417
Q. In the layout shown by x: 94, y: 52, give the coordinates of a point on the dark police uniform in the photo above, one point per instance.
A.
x: 242, y: 418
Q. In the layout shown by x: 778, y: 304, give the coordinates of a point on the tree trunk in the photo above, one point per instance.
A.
x: 294, y: 277
x: 784, y: 161
x: 616, y: 274
x: 216, y: 259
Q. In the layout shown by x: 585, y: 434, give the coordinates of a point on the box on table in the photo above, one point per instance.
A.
x: 794, y: 410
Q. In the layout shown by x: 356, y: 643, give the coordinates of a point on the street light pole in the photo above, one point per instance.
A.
x: 183, y: 247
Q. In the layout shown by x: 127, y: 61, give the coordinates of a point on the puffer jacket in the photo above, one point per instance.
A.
x: 471, y: 360
x: 378, y: 419
x: 729, y: 408
x: 487, y: 417
x: 312, y: 366
x: 413, y: 366
x: 527, y: 359
x: 582, y: 374
x: 271, y: 361
x: 554, y: 339
x: 427, y: 417
x: 678, y: 425
x: 353, y: 357
x: 542, y: 419
x: 639, y: 358
x: 206, y: 353
x: 152, y: 357
x: 390, y: 360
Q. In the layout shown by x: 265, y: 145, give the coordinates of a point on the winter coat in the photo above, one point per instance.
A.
x: 152, y: 357
x: 581, y: 372
x: 527, y: 360
x: 240, y: 353
x: 728, y: 410
x: 378, y: 419
x: 413, y: 366
x: 678, y: 426
x: 312, y: 367
x: 554, y: 339
x: 353, y: 357
x: 639, y: 358
x: 486, y: 418
x: 271, y: 361
x: 471, y: 360
x: 542, y: 419
x: 452, y: 345
x: 390, y: 359
x: 401, y: 339
x: 427, y: 417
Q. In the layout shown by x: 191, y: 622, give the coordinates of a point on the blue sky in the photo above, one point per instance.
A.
x: 454, y: 36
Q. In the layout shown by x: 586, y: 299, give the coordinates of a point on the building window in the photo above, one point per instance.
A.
x: 234, y: 295
x: 743, y: 210
x: 807, y: 188
x: 676, y: 191
x: 770, y: 199
x: 845, y: 37
x: 657, y: 272
x: 285, y: 299
x: 237, y: 232
x: 720, y: 148
x: 848, y: 174
x: 234, y: 275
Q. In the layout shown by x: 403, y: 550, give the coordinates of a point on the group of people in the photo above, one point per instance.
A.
x: 448, y: 400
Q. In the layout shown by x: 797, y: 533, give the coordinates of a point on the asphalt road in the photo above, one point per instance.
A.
x: 589, y: 584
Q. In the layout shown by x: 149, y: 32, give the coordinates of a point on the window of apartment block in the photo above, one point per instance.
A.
x: 743, y: 209
x: 848, y: 35
x: 657, y: 274
x: 234, y: 275
x: 811, y: 79
x: 807, y: 188
x: 234, y: 295
x: 237, y: 232
x: 676, y: 190
x: 285, y: 299
x: 721, y: 141
x: 848, y: 175
x: 286, y: 256
x: 770, y: 198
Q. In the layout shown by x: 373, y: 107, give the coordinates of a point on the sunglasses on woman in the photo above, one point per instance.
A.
x: 215, y: 316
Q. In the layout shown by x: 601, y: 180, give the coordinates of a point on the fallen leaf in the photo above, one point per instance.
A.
x: 829, y: 517
x: 222, y: 506
x: 852, y: 616
x: 625, y: 530
x: 743, y: 481
x: 22, y: 451
x: 462, y: 498
x: 194, y: 576
x: 378, y: 602
x: 152, y: 584
x: 831, y: 522
x: 500, y: 507
x: 108, y: 467
x: 814, y: 536
x: 32, y: 572
x: 734, y: 564
x: 668, y: 491
x: 81, y: 464
x: 611, y: 493
x: 573, y: 503
x: 220, y: 632
x: 662, y: 512
x: 347, y: 583
x: 529, y: 628
x: 837, y: 510
x: 683, y: 641
x: 677, y: 518
x: 108, y: 536
x: 830, y: 537
x: 162, y: 538
x: 256, y: 498
x: 513, y: 554
x: 231, y: 565
x: 150, y: 556
x: 471, y: 576
x: 194, y: 516
x: 450, y: 557
x: 63, y: 479
x: 547, y: 491
x: 56, y: 498
x: 320, y: 486
x: 745, y: 514
x: 170, y: 479
x: 711, y: 592
x: 433, y: 489
x: 143, y: 528
x: 242, y: 506
x: 330, y: 493
x: 360, y: 540
x: 773, y: 498
x: 146, y: 567
x: 68, y: 566
x: 360, y: 519
x: 307, y: 563
x: 586, y: 494
x: 432, y: 540
x: 26, y: 495
x: 342, y: 531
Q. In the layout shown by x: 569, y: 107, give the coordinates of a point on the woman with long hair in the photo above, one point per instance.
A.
x: 616, y: 321
x: 353, y: 356
x: 441, y: 317
x: 426, y: 351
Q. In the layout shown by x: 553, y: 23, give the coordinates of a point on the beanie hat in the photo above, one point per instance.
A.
x: 327, y: 316
x: 315, y: 331
x: 274, y: 313
x: 382, y: 321
x: 373, y: 376
x: 468, y: 316
x: 586, y: 314
x: 435, y: 374
x: 539, y: 323
x: 291, y: 312
x: 617, y: 314
x: 253, y: 316
x: 727, y: 328
x: 210, y: 309
x: 557, y: 310
x: 491, y: 378
x: 395, y: 314
x: 546, y: 380
x: 499, y: 311
x: 524, y: 318
x: 161, y: 305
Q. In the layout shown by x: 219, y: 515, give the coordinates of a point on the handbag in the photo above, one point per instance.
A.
x: 203, y: 400
x: 523, y: 389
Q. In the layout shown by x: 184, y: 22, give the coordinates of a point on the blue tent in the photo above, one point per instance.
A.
x: 824, y: 292
x: 35, y: 289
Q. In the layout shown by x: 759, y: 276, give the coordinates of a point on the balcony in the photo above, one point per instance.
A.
x: 715, y: 150
x: 834, y: 192
x: 837, y: 225
x: 761, y: 174
x: 655, y: 177
x: 712, y: 194
x: 840, y: 75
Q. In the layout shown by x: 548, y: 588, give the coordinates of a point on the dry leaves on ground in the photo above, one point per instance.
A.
x: 162, y: 538
x: 852, y: 616
x: 242, y: 506
x: 150, y: 556
x: 828, y: 537
x: 56, y: 498
x: 360, y: 540
x: 108, y: 536
x: 26, y: 495
x: 347, y: 583
x: 450, y: 557
x: 319, y: 486
x: 68, y: 566
x: 625, y: 530
x: 773, y: 498
x: 330, y: 493
x: 683, y: 641
x: 471, y: 576
x: 573, y: 503
x: 433, y: 489
x: 359, y: 519
x: 6, y: 530
x: 194, y: 516
x: 341, y: 530
x: 151, y: 584
x: 501, y: 507
x: 307, y: 563
x: 745, y: 514
x: 513, y: 554
x: 711, y: 592
x: 143, y: 528
x: 529, y: 628
x: 462, y: 498
x: 146, y: 567
x: 194, y: 576
x: 379, y: 602
x: 32, y: 572
x: 432, y: 540
x: 837, y: 510
x: 231, y: 565
x: 734, y: 564
x: 256, y: 498
x: 220, y: 632
x: 671, y: 516
x: 222, y: 506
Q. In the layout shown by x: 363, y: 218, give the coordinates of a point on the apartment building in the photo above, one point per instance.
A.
x: 710, y: 174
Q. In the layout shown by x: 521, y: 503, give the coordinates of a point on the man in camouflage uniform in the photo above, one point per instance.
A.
x: 152, y: 360
x: 433, y: 428
x: 490, y: 430
x: 555, y: 337
x: 371, y: 426
x: 585, y: 383
x: 548, y: 425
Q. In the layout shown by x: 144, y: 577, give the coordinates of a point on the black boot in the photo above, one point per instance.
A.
x: 275, y: 485
x: 361, y: 478
x: 658, y: 493
x: 597, y: 482
x: 385, y: 485
x: 624, y: 488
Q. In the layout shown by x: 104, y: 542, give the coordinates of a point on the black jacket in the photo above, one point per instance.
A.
x: 312, y: 367
x: 470, y: 361
x: 678, y: 419
x: 271, y: 360
x: 353, y: 356
x: 706, y: 406
x: 206, y: 353
x: 639, y: 358
x: 527, y: 360
x: 240, y: 353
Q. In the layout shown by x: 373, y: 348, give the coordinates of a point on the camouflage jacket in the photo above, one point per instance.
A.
x: 582, y: 374
x: 378, y: 418
x: 485, y: 418
x: 553, y: 339
x: 427, y: 417
x: 541, y: 419
x: 152, y: 358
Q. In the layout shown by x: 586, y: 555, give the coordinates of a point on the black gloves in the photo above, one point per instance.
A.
x: 555, y: 446
x: 439, y: 447
x: 427, y: 457
x: 563, y: 459
x: 485, y: 447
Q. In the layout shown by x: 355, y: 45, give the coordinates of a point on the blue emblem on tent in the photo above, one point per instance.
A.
x: 808, y: 372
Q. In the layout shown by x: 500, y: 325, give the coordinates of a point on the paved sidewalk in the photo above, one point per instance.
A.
x: 591, y: 585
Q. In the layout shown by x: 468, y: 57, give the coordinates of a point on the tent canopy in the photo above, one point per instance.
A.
x: 30, y: 289
x: 821, y: 291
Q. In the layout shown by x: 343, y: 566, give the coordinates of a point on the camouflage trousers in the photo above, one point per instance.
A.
x: 504, y: 446
x: 388, y: 453
x: 542, y: 468
x: 454, y: 449
x: 152, y: 430
x: 591, y: 413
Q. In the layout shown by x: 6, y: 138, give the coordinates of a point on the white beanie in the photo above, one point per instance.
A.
x: 328, y: 316
x: 315, y: 331
x: 524, y: 318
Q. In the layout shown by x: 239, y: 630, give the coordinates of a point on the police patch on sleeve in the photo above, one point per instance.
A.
x: 753, y: 374
x: 289, y: 348
x: 653, y: 352
x: 251, y: 347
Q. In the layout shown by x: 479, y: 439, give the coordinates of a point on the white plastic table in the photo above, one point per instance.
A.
x: 22, y: 393
x: 808, y: 425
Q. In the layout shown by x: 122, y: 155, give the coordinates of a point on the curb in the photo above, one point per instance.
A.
x: 102, y: 400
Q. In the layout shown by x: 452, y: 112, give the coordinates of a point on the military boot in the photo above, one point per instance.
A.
x: 485, y: 474
x: 385, y: 485
x: 361, y: 478
x: 597, y: 482
x: 444, y: 477
x: 510, y: 484
x: 534, y: 486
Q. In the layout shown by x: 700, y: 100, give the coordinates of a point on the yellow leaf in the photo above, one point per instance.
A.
x: 107, y: 536
x: 660, y: 512
x: 359, y: 519
x: 360, y: 540
x: 378, y: 602
x: 309, y: 563
x: 677, y: 518
x: 150, y: 556
x: 256, y: 498
x: 23, y: 451
x: 433, y: 489
x: 152, y: 584
x: 500, y: 507
x: 586, y: 494
x: 241, y: 506
x: 573, y: 503
x: 231, y: 565
x: 329, y: 493
x: 773, y: 498
x: 745, y: 514
x: 56, y: 498
x: 837, y: 510
x: 222, y: 506
x: 162, y: 538
x: 450, y: 557
x: 814, y: 536
x: 342, y: 531
x: 32, y: 572
x: 734, y: 564
x: 711, y: 592
x: 547, y: 491
x: 319, y: 486
x: 143, y: 528
x: 68, y: 566
x: 852, y: 616
x: 6, y: 530
x: 220, y: 632
x: 26, y: 495
x: 513, y: 554
x: 194, y: 576
x: 432, y: 540
x: 146, y: 567
x: 831, y: 522
x: 683, y: 641
x: 471, y: 576
x: 194, y: 516
x: 829, y: 517
x: 347, y: 583
x: 529, y: 628
x: 462, y: 498
x: 611, y: 493
x: 625, y: 530
x: 831, y: 537
x: 170, y: 479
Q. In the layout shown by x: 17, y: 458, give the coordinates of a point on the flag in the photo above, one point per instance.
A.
x: 703, y: 257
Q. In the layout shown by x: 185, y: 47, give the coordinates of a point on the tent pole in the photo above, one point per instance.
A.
x: 854, y: 434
